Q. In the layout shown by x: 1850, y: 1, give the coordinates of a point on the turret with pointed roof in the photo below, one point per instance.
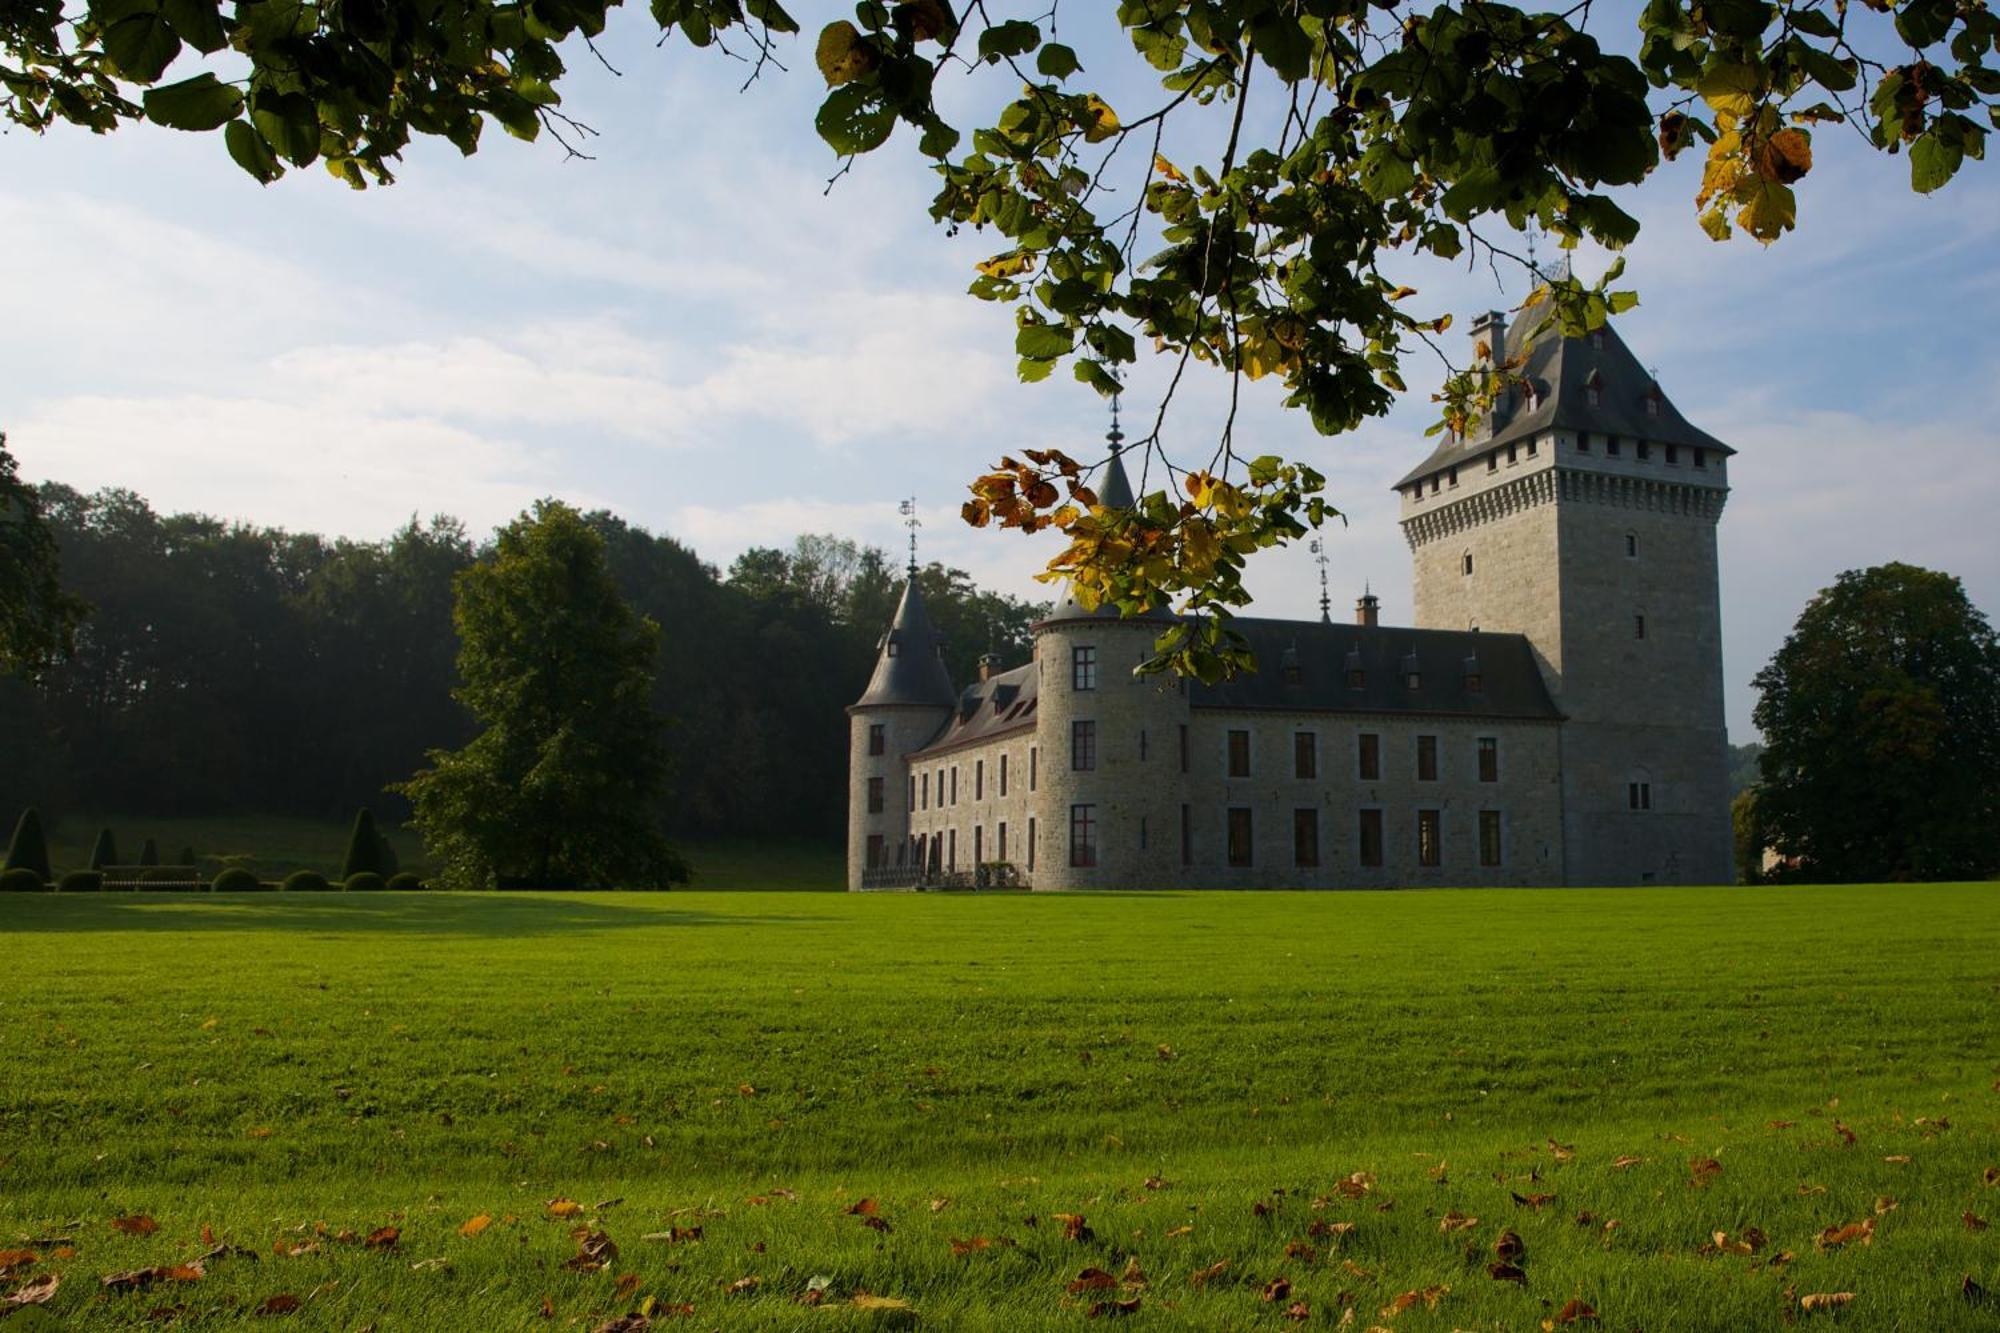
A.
x: 909, y: 662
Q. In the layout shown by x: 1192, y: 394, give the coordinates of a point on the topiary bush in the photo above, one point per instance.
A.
x: 188, y: 858
x: 366, y: 881
x: 149, y: 855
x: 22, y: 880
x: 405, y: 882
x: 306, y: 881
x: 29, y: 850
x: 364, y: 848
x: 104, y: 852
x: 82, y: 881
x: 236, y: 880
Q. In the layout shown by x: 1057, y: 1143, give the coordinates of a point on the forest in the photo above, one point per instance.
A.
x: 229, y: 669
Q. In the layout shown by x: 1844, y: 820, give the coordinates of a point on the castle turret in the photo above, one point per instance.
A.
x: 1582, y: 513
x: 908, y: 701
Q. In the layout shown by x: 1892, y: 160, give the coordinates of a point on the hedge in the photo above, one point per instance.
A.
x: 236, y: 880
x: 82, y: 881
x: 20, y: 880
x: 366, y: 881
x: 306, y: 881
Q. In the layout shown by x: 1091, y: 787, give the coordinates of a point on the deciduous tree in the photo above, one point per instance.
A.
x: 559, y: 787
x: 1881, y: 715
x: 37, y: 618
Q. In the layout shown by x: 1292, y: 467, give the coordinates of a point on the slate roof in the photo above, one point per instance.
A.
x: 990, y: 708
x: 1561, y: 369
x: 1114, y: 491
x: 914, y: 672
x: 1303, y: 665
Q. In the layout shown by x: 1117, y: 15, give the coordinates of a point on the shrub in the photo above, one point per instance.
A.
x: 306, y: 881
x: 365, y: 848
x: 104, y: 852
x: 22, y: 880
x: 405, y: 882
x: 29, y: 850
x: 188, y: 858
x: 236, y: 880
x: 367, y: 881
x: 82, y: 881
x: 149, y: 855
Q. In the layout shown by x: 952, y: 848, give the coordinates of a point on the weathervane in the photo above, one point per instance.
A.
x: 1115, y: 435
x: 1318, y: 548
x: 908, y: 509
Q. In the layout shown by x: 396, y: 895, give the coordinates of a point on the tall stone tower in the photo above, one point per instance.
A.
x: 1581, y: 512
x: 908, y: 701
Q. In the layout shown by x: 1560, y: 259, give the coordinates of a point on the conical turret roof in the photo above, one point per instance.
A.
x: 909, y: 666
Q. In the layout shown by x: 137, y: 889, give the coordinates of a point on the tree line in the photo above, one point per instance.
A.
x: 223, y: 668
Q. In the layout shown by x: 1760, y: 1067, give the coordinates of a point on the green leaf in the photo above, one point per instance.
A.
x: 843, y: 55
x: 1043, y: 341
x: 198, y: 23
x: 199, y: 103
x: 141, y: 47
x: 1933, y: 162
x: 1031, y: 370
x: 1057, y: 61
x: 250, y: 151
x: 1015, y: 37
x: 855, y: 119
x: 289, y: 123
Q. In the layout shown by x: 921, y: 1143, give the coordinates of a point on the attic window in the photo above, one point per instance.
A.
x: 1436, y: 482
x: 892, y: 648
x: 1493, y: 461
x: 1611, y: 446
x: 1643, y: 449
x: 1512, y: 457
x: 1413, y: 679
x: 1653, y: 404
x: 1597, y: 340
x: 1357, y: 679
x: 1452, y: 476
x: 1583, y: 442
x: 1673, y: 456
x: 1700, y: 457
x: 1474, y: 683
x: 1593, y: 388
x: 1531, y: 446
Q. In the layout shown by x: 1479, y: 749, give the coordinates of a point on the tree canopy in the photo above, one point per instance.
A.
x: 37, y: 618
x: 1382, y: 129
x: 559, y: 788
x: 1881, y: 717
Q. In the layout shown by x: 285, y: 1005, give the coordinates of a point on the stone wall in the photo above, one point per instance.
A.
x: 904, y: 729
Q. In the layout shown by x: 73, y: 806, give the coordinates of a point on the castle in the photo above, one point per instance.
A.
x: 1554, y: 717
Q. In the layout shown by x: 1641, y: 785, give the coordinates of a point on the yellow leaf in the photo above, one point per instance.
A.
x: 476, y: 1225
x: 564, y: 1208
x: 863, y: 1301
x: 1784, y: 157
x: 1100, y: 121
x: 1730, y: 90
x: 1010, y: 264
x: 1825, y: 1300
x: 1169, y: 170
x: 1769, y: 209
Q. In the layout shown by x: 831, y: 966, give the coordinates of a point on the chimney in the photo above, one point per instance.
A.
x: 1368, y: 610
x: 989, y: 666
x: 1491, y: 329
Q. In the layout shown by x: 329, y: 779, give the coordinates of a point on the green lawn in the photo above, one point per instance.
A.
x: 1193, y: 1075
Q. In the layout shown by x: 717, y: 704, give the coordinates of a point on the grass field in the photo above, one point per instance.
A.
x: 1340, y: 1093
x: 273, y: 846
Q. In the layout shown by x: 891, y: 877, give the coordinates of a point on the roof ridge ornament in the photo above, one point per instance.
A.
x: 908, y: 509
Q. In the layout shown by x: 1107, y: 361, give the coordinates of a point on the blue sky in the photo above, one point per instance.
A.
x: 692, y: 331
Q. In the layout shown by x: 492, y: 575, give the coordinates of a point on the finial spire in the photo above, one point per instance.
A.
x: 1318, y: 548
x: 1534, y: 269
x: 1115, y: 435
x: 908, y: 509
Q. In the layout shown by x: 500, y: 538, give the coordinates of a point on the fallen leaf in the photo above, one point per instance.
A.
x: 12, y: 1259
x: 292, y: 1249
x: 1113, y: 1309
x: 1992, y: 1176
x: 1074, y: 1227
x: 1180, y: 1231
x: 1298, y: 1312
x: 1575, y: 1312
x: 1509, y: 1246
x: 968, y: 1245
x: 863, y: 1301
x: 260, y: 1132
x: 1355, y: 1185
x: 1300, y: 1250
x: 750, y: 1283
x: 564, y: 1208
x: 1156, y: 1183
x: 1835, y: 1237
x: 1534, y: 1201
x: 1277, y: 1289
x: 1973, y: 1293
x: 1701, y: 1170
x: 880, y: 1224
x: 286, y: 1303
x: 1784, y: 1124
x: 137, y: 1278
x: 1091, y: 1279
x: 1826, y: 1300
x: 1456, y: 1221
x: 1805, y: 1190
x: 1428, y: 1297
x: 1563, y: 1151
x: 595, y: 1252
x: 140, y: 1225
x: 383, y: 1238
x: 1884, y: 1205
x: 1846, y: 1134
x: 1133, y: 1276
x: 1973, y: 1222
x: 1207, y: 1275
x: 1623, y: 1162
x: 939, y: 1205
x: 862, y: 1208
x: 36, y: 1291
x: 745, y: 1090
x: 1898, y: 1159
x: 475, y: 1225
x: 1506, y: 1273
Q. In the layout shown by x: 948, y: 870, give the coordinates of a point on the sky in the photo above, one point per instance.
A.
x: 693, y: 330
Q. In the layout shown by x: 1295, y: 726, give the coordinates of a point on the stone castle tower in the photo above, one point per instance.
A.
x: 908, y: 701
x: 1581, y: 513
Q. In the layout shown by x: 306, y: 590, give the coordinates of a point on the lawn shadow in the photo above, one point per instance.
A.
x: 497, y: 915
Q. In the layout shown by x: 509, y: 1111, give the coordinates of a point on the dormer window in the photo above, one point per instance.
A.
x: 1597, y: 340
x: 1357, y: 679
x: 1653, y: 403
x: 1593, y: 389
x: 891, y: 649
x: 1413, y: 679
x: 1474, y: 683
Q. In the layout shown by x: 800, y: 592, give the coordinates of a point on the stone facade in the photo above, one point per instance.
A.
x: 1554, y: 717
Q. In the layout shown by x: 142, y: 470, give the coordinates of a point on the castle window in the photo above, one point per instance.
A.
x: 1083, y: 667
x: 1083, y: 835
x: 1593, y: 395
x: 1082, y: 746
x: 951, y: 851
x: 1467, y: 564
x: 1631, y: 546
x: 1142, y: 742
x: 1489, y: 758
x: 1639, y: 795
x: 1187, y: 835
x: 1474, y: 682
x: 1239, y: 835
x: 1451, y: 476
x: 1305, y: 838
x: 1700, y: 457
x: 1031, y: 842
x: 1427, y: 759
x: 1583, y: 442
x: 1184, y: 747
x: 1369, y: 838
x: 954, y: 784
x: 1357, y: 679
x: 1512, y: 458
x: 890, y: 651
x: 1239, y: 754
x: 1305, y: 755
x: 927, y: 793
x: 978, y: 844
x: 1489, y: 837
x: 1000, y: 841
x: 1653, y: 403
x: 1142, y: 833
x: 1413, y: 679
x: 876, y: 796
x: 913, y: 791
x: 1034, y: 753
x: 1493, y: 461
x: 1597, y: 340
x: 1643, y: 449
x: 1369, y: 757
x: 1003, y: 775
x: 1611, y: 446
x: 979, y: 779
x: 1532, y: 445
x: 1673, y: 456
x: 1434, y: 485
x: 876, y: 854
x: 878, y: 740
x: 1430, y: 839
x: 1638, y: 627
